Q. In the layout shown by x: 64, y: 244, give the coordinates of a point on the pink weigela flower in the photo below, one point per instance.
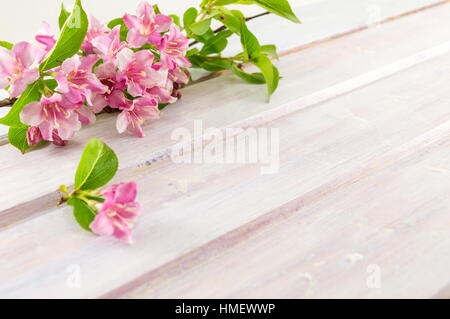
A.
x: 34, y: 136
x: 45, y: 37
x: 173, y: 49
x: 109, y: 45
x: 18, y: 67
x: 96, y: 29
x: 139, y: 111
x: 146, y: 27
x: 117, y: 214
x: 76, y: 80
x: 138, y: 72
x: 114, y: 95
x: 53, y: 118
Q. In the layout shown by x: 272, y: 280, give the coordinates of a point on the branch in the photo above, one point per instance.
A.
x: 223, y: 28
x: 7, y: 102
x: 10, y: 101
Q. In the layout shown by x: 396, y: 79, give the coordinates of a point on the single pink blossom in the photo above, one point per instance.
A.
x: 18, y: 67
x: 146, y: 27
x: 76, y: 80
x: 173, y: 49
x: 108, y: 45
x: 45, y: 37
x: 96, y: 29
x: 118, y: 213
x: 136, y: 68
x: 114, y: 96
x: 50, y: 114
x: 140, y: 110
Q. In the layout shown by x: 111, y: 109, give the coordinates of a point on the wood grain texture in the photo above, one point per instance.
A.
x: 363, y: 180
x: 327, y: 249
x: 193, y: 205
x: 358, y: 54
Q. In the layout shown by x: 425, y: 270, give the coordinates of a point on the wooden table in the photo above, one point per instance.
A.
x: 360, y: 206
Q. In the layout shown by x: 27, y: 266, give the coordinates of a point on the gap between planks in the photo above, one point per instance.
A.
x: 269, y: 220
x: 19, y: 212
x: 81, y: 254
x: 42, y: 200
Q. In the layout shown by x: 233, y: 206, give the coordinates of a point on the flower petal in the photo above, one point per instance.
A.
x: 26, y: 53
x: 135, y: 39
x: 102, y: 225
x: 126, y: 193
x: 163, y: 22
x: 124, y: 58
x: 122, y: 122
x: 32, y: 114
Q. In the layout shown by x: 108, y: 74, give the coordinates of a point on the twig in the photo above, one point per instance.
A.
x: 223, y: 28
x: 7, y: 102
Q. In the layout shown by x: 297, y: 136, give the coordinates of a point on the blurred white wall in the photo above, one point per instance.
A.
x: 20, y: 19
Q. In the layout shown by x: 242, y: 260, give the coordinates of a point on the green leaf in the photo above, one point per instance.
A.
x: 18, y: 138
x: 269, y: 71
x: 270, y: 50
x: 196, y: 60
x: 252, y: 78
x: 204, y: 37
x: 232, y: 19
x: 249, y: 42
x: 123, y: 28
x: 31, y: 94
x: 216, y: 43
x: 279, y: 7
x: 70, y: 40
x: 83, y: 213
x: 176, y: 19
x: 6, y: 45
x: 200, y: 27
x: 97, y: 166
x: 63, y: 16
x: 156, y: 9
x: 190, y: 16
x: 212, y: 64
x: 115, y: 22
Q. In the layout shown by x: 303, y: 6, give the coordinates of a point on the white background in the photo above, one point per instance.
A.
x: 20, y: 19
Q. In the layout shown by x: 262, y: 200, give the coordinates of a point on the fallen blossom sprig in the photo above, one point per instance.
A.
x: 134, y: 65
x: 110, y: 211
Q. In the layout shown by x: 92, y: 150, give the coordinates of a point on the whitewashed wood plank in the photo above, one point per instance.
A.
x: 354, y: 55
x: 327, y: 147
x: 395, y: 222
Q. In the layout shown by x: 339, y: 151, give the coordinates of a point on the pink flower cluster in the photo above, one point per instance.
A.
x: 117, y: 214
x: 132, y: 76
